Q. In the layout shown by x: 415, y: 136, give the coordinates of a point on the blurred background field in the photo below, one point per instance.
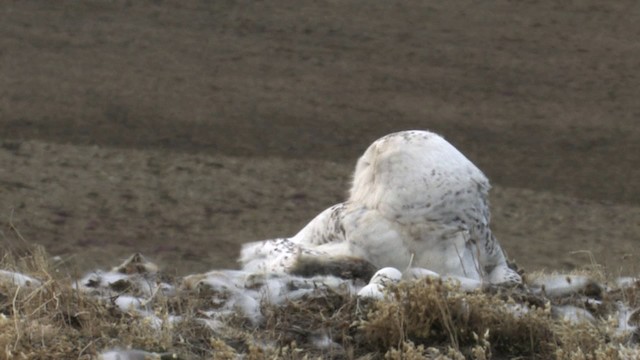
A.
x: 183, y: 129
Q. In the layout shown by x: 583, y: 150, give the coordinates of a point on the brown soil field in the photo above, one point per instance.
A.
x: 183, y: 129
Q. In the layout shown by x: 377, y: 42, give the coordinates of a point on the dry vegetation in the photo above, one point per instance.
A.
x: 183, y: 128
x: 424, y: 319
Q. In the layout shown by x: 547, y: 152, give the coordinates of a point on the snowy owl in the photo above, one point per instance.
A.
x: 415, y: 202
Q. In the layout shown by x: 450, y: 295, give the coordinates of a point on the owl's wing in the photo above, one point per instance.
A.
x: 324, y: 229
x: 270, y: 256
x: 322, y: 237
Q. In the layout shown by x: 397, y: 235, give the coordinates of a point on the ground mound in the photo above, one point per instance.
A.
x: 135, y: 310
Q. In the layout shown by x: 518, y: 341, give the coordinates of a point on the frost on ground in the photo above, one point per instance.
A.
x: 135, y: 311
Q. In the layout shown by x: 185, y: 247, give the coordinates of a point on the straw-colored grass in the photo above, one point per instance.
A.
x: 421, y: 319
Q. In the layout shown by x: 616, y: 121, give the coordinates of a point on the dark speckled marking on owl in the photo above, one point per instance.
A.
x: 334, y: 230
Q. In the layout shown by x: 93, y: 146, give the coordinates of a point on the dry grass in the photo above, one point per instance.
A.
x: 423, y: 319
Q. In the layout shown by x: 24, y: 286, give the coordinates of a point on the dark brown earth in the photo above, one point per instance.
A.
x: 183, y: 129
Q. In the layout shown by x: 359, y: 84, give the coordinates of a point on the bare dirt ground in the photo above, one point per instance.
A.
x: 183, y: 129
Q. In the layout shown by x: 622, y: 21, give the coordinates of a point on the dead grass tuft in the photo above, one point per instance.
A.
x: 480, y: 325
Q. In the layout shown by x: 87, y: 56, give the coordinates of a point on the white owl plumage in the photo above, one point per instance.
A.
x: 415, y: 202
